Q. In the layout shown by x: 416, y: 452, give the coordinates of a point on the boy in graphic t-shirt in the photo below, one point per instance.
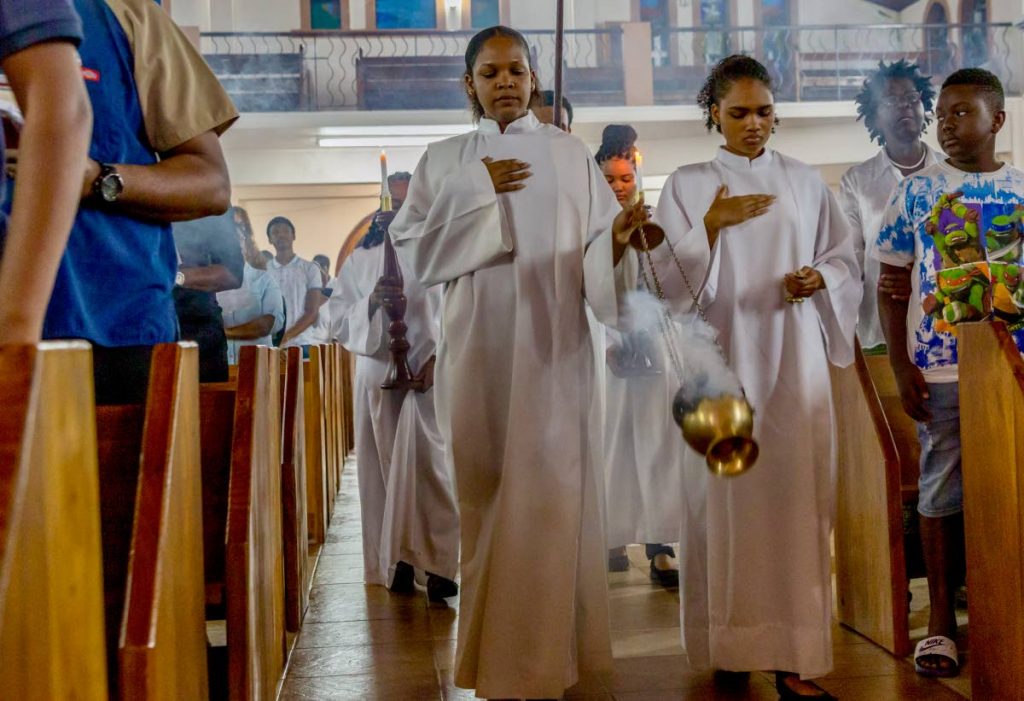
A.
x: 959, y: 223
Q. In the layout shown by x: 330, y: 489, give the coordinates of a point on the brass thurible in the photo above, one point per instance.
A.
x: 719, y: 428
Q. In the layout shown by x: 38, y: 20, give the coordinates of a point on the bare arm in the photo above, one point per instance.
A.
x: 892, y: 312
x: 210, y: 278
x: 314, y: 298
x: 48, y: 85
x: 256, y: 328
x: 189, y: 182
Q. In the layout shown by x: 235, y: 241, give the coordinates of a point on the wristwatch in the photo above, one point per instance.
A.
x: 109, y: 184
x: 179, y: 278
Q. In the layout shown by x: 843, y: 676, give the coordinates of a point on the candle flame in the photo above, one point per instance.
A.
x: 637, y: 156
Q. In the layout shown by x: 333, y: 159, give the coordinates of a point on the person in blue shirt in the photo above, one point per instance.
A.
x: 37, y: 54
x: 154, y: 159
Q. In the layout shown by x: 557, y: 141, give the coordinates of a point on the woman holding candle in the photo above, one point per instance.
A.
x: 642, y: 446
x: 758, y: 232
x: 515, y: 221
x: 407, y: 505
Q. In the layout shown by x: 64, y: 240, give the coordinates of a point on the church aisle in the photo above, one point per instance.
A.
x: 360, y: 643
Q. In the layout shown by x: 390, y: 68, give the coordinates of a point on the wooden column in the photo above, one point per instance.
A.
x: 992, y: 438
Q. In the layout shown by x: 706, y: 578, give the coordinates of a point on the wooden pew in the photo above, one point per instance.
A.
x: 316, y: 471
x: 337, y: 398
x: 152, y: 533
x: 51, y: 587
x: 878, y: 468
x: 294, y: 526
x: 992, y: 439
x: 331, y: 427
x: 242, y: 511
x: 348, y: 398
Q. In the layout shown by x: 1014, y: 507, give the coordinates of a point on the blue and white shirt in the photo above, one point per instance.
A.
x: 963, y: 233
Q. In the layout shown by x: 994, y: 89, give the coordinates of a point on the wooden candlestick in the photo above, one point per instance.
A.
x: 391, y: 284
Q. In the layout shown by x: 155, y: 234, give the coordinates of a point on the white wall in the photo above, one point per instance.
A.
x: 265, y: 15
x: 192, y: 13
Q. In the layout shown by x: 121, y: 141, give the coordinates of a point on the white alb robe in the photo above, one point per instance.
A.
x: 644, y: 451
x: 755, y: 590
x: 405, y: 486
x: 515, y: 381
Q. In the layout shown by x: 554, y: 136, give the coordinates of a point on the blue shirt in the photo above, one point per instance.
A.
x: 114, y: 283
x: 24, y: 23
x: 964, y: 234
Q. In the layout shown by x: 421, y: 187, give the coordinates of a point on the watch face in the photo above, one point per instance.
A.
x: 111, y: 186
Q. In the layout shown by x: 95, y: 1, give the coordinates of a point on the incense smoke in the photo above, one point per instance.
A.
x: 702, y: 372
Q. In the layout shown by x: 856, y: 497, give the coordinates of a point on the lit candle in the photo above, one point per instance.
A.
x: 385, y: 189
x: 639, y: 171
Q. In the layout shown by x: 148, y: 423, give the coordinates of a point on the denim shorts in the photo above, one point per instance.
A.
x: 941, y: 488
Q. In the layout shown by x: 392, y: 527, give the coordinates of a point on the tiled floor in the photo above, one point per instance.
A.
x: 360, y: 643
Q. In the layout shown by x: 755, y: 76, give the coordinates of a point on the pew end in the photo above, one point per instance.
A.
x: 877, y: 455
x: 297, y: 570
x: 992, y: 439
x: 50, y: 553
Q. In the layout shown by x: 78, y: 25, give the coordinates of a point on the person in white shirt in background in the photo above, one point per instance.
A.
x: 894, y: 103
x: 301, y: 283
x: 322, y: 327
x: 255, y: 311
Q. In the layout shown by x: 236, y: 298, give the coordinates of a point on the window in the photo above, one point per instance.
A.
x: 325, y: 14
x: 974, y: 14
x: 485, y: 13
x: 406, y: 14
x: 714, y: 15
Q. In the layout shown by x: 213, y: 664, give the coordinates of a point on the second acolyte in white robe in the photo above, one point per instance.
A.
x: 643, y: 447
x: 515, y: 384
x: 405, y: 485
x: 755, y: 585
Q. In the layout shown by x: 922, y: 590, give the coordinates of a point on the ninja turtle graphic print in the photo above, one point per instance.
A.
x: 962, y: 233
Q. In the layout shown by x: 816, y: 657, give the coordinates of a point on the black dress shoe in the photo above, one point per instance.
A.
x: 439, y: 588
x: 404, y: 581
x: 666, y: 578
x: 787, y: 694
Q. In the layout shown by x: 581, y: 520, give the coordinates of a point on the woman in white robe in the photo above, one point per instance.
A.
x: 406, y: 498
x: 643, y: 448
x: 754, y: 228
x: 517, y: 223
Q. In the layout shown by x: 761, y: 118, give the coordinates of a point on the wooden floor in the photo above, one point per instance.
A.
x: 361, y: 643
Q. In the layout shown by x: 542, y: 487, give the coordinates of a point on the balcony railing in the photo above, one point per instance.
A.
x: 301, y: 71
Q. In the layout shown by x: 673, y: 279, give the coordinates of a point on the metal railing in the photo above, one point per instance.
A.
x: 422, y: 69
x: 821, y: 62
x: 323, y: 67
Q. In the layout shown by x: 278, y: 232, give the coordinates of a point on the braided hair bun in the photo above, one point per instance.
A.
x: 617, y: 141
